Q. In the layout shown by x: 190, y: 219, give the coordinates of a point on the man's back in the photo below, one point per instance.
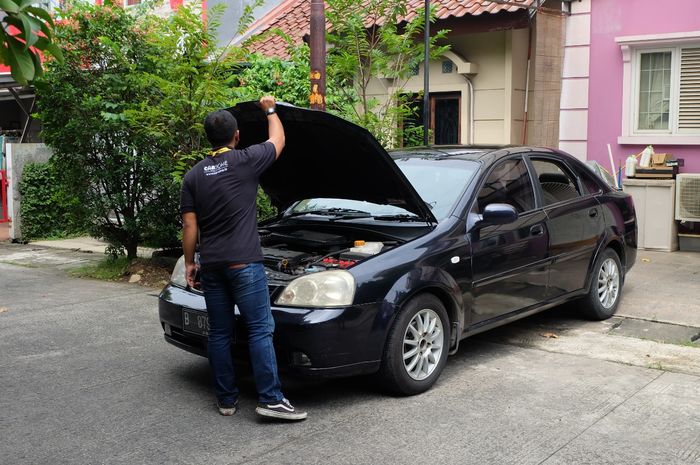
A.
x: 222, y: 190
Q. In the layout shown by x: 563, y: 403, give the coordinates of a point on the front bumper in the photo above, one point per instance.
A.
x: 334, y: 342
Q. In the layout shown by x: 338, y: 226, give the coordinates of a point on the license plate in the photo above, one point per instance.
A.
x: 195, y: 322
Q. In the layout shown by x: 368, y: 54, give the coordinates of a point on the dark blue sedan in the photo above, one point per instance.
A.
x: 382, y: 262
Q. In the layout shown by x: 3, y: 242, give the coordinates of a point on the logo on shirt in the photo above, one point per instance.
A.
x: 211, y: 170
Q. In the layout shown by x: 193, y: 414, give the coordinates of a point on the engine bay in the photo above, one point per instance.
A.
x: 300, y: 252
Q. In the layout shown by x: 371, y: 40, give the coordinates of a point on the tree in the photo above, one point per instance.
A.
x: 192, y: 77
x: 287, y: 80
x: 25, y: 32
x: 360, y: 56
x: 121, y: 172
x: 371, y: 44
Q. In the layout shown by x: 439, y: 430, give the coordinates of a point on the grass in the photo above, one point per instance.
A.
x: 108, y: 269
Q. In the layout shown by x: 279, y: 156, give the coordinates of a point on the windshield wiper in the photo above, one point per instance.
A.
x: 336, y: 213
x: 399, y: 217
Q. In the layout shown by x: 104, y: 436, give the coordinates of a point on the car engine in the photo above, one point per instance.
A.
x: 301, y: 251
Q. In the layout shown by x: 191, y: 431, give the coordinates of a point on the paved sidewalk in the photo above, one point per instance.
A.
x: 87, y: 244
x: 664, y: 287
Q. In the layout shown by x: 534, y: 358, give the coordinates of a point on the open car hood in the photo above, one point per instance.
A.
x: 326, y: 157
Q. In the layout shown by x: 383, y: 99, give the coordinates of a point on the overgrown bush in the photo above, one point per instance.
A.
x: 48, y: 210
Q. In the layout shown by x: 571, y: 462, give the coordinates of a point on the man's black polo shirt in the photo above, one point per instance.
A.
x: 222, y: 190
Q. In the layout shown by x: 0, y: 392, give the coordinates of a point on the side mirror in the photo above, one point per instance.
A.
x: 494, y: 213
x: 499, y: 213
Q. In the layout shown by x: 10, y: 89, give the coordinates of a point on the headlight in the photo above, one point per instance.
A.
x: 323, y: 289
x: 178, y: 276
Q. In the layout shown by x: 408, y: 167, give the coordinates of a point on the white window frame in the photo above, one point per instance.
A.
x: 632, y: 47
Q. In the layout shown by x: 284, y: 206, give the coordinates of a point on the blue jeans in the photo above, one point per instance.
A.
x: 247, y: 288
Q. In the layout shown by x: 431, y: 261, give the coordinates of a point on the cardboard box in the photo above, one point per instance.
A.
x: 658, y: 159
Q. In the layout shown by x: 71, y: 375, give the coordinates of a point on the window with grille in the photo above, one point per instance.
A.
x: 689, y: 94
x: 668, y: 91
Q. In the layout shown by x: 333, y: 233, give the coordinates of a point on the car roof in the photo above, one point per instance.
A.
x: 481, y: 153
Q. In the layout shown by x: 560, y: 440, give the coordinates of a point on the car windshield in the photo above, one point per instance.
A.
x: 439, y: 182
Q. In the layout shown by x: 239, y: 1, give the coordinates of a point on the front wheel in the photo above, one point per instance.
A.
x: 417, y: 346
x: 606, y: 286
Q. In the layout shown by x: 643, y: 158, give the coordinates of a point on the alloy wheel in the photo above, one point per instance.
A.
x: 608, y: 283
x: 423, y: 343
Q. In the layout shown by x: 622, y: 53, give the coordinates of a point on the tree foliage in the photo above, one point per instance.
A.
x: 287, y: 80
x: 103, y: 153
x: 382, y: 55
x: 25, y: 32
x: 191, y: 76
x: 367, y: 67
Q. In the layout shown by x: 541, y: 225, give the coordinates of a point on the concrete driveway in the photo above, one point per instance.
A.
x: 86, y: 378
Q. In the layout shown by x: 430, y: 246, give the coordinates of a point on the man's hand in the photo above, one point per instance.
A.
x: 190, y: 272
x: 274, y: 125
x: 267, y: 102
x: 189, y: 242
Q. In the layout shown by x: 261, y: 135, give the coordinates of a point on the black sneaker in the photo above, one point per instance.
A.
x: 227, y: 409
x: 282, y: 410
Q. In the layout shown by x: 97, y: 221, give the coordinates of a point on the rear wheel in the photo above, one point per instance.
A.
x: 606, y: 286
x: 417, y: 346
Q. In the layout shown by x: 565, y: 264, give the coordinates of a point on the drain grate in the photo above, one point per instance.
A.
x: 656, y: 331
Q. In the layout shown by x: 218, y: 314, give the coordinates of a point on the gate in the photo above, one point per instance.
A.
x: 4, y: 217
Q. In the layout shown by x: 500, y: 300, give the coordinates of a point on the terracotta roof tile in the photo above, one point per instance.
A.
x: 292, y: 18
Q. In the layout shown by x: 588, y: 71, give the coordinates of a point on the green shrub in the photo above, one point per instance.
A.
x: 110, y: 268
x: 265, y: 208
x: 48, y: 210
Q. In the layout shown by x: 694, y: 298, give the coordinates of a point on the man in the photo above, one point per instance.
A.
x: 218, y: 203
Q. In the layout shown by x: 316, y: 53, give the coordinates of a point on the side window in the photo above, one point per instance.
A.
x: 556, y: 181
x: 590, y: 184
x: 508, y: 183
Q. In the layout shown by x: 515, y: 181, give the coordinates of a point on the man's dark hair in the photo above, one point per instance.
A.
x: 220, y: 127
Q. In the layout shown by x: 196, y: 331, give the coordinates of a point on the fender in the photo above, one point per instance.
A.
x: 425, y: 279
x: 610, y: 238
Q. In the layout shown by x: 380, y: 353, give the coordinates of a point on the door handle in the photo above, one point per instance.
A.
x: 593, y: 212
x: 536, y: 230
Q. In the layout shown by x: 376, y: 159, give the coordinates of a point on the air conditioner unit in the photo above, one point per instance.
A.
x: 688, y: 197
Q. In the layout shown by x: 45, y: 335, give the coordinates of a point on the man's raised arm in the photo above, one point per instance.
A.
x: 275, y: 129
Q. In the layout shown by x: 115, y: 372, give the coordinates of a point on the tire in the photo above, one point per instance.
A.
x: 421, y: 369
x: 606, y: 287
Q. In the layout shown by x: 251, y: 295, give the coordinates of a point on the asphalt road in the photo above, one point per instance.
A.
x: 86, y: 378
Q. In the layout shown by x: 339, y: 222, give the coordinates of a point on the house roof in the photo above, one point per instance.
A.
x: 292, y: 17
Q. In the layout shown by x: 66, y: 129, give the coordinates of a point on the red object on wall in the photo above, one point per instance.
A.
x: 3, y: 197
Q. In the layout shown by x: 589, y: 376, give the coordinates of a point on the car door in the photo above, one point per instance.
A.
x: 575, y: 223
x: 509, y: 262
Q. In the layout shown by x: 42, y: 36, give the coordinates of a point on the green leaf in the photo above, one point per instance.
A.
x: 38, y: 71
x: 39, y: 12
x: 27, y: 35
x: 54, y: 50
x: 9, y: 6
x: 20, y: 61
x: 46, y: 30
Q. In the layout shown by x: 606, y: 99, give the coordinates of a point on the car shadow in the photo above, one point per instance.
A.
x: 556, y: 321
x: 195, y: 376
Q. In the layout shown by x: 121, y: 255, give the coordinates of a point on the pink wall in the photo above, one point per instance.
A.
x: 614, y: 18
